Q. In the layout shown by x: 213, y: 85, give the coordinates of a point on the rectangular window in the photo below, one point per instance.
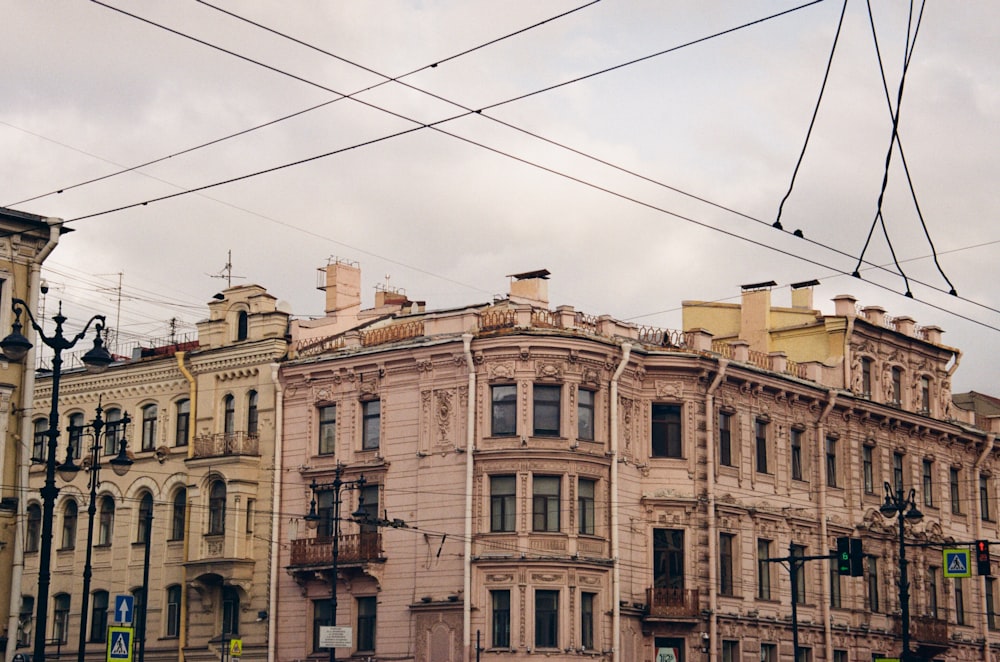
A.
x: 928, y: 483
x: 366, y: 624
x: 725, y: 439
x: 984, y: 498
x: 39, y: 441
x: 183, y: 423
x: 925, y: 395
x: 795, y: 441
x: 666, y: 430
x: 251, y: 507
x: 502, y: 499
x: 897, y: 386
x: 730, y: 650
x: 371, y: 424
x: 545, y: 503
x: 800, y: 574
x: 504, y: 417
x: 586, y: 489
x: 897, y: 473
x: 956, y: 501
x: 327, y: 430
x: 933, y: 573
x: 867, y: 469
x: 500, y: 604
x: 763, y: 569
x: 587, y: 621
x: 726, y: 543
x: 321, y: 618
x: 768, y: 653
x: 835, y: 600
x: 959, y: 601
x: 840, y: 655
x: 547, y: 409
x: 831, y: 462
x: 546, y: 619
x: 874, y: 604
x: 805, y: 654
x: 585, y: 415
x: 149, y: 414
x: 866, y: 377
x: 760, y: 435
x: 668, y: 559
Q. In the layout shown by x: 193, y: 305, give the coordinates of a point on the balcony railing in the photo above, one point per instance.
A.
x: 672, y: 602
x: 226, y: 444
x: 924, y: 630
x: 354, y: 548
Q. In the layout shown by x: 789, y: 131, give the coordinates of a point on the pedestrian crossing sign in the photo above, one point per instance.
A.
x: 120, y: 644
x: 957, y: 563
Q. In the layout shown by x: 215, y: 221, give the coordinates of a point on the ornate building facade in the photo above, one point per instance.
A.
x: 545, y: 483
x: 204, y: 416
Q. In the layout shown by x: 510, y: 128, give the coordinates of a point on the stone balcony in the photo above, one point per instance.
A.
x: 226, y: 444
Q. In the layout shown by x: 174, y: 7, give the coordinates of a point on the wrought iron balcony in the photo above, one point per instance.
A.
x: 226, y: 444
x: 672, y: 603
x: 353, y: 548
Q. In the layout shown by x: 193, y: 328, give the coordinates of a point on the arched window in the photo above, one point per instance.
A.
x: 183, y: 422
x: 145, y: 518
x: 217, y: 507
x: 99, y: 617
x: 38, y: 440
x: 112, y: 431
x: 70, y: 515
x: 60, y: 620
x: 230, y: 611
x: 33, y: 529
x: 173, y: 624
x: 149, y: 413
x: 252, y: 413
x: 178, y: 514
x: 76, y: 439
x: 229, y: 415
x: 242, y: 323
x: 106, y: 519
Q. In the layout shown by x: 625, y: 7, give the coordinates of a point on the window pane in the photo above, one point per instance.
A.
x: 585, y: 505
x: 546, y: 619
x: 547, y: 410
x: 371, y: 424
x: 502, y: 493
x: 666, y: 431
x: 545, y: 503
x: 504, y: 416
x: 501, y: 619
x: 327, y: 430
x: 366, y: 624
x: 585, y: 415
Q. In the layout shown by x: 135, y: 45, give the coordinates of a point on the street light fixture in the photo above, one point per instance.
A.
x: 15, y: 347
x: 902, y: 509
x: 313, y: 520
x: 67, y: 471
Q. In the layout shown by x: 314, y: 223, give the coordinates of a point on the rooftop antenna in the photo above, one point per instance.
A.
x: 227, y: 271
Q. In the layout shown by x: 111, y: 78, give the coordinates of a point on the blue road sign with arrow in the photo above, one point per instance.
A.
x: 124, y: 607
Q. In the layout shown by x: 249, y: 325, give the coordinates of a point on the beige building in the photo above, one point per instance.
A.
x: 204, y: 418
x: 25, y: 241
x: 548, y: 484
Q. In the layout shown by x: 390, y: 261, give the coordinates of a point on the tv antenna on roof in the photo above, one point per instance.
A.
x: 226, y: 271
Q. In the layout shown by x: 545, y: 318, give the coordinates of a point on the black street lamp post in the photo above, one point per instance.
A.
x: 313, y: 519
x: 902, y: 509
x: 15, y: 347
x: 120, y: 464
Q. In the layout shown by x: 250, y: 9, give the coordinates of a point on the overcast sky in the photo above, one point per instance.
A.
x: 679, y: 155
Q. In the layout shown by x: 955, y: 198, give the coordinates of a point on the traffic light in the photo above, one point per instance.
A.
x: 850, y: 557
x: 983, y: 557
x: 844, y: 555
x: 857, y: 558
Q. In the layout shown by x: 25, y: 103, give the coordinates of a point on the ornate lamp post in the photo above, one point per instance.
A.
x: 902, y: 509
x: 313, y: 520
x: 15, y: 347
x: 120, y: 464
